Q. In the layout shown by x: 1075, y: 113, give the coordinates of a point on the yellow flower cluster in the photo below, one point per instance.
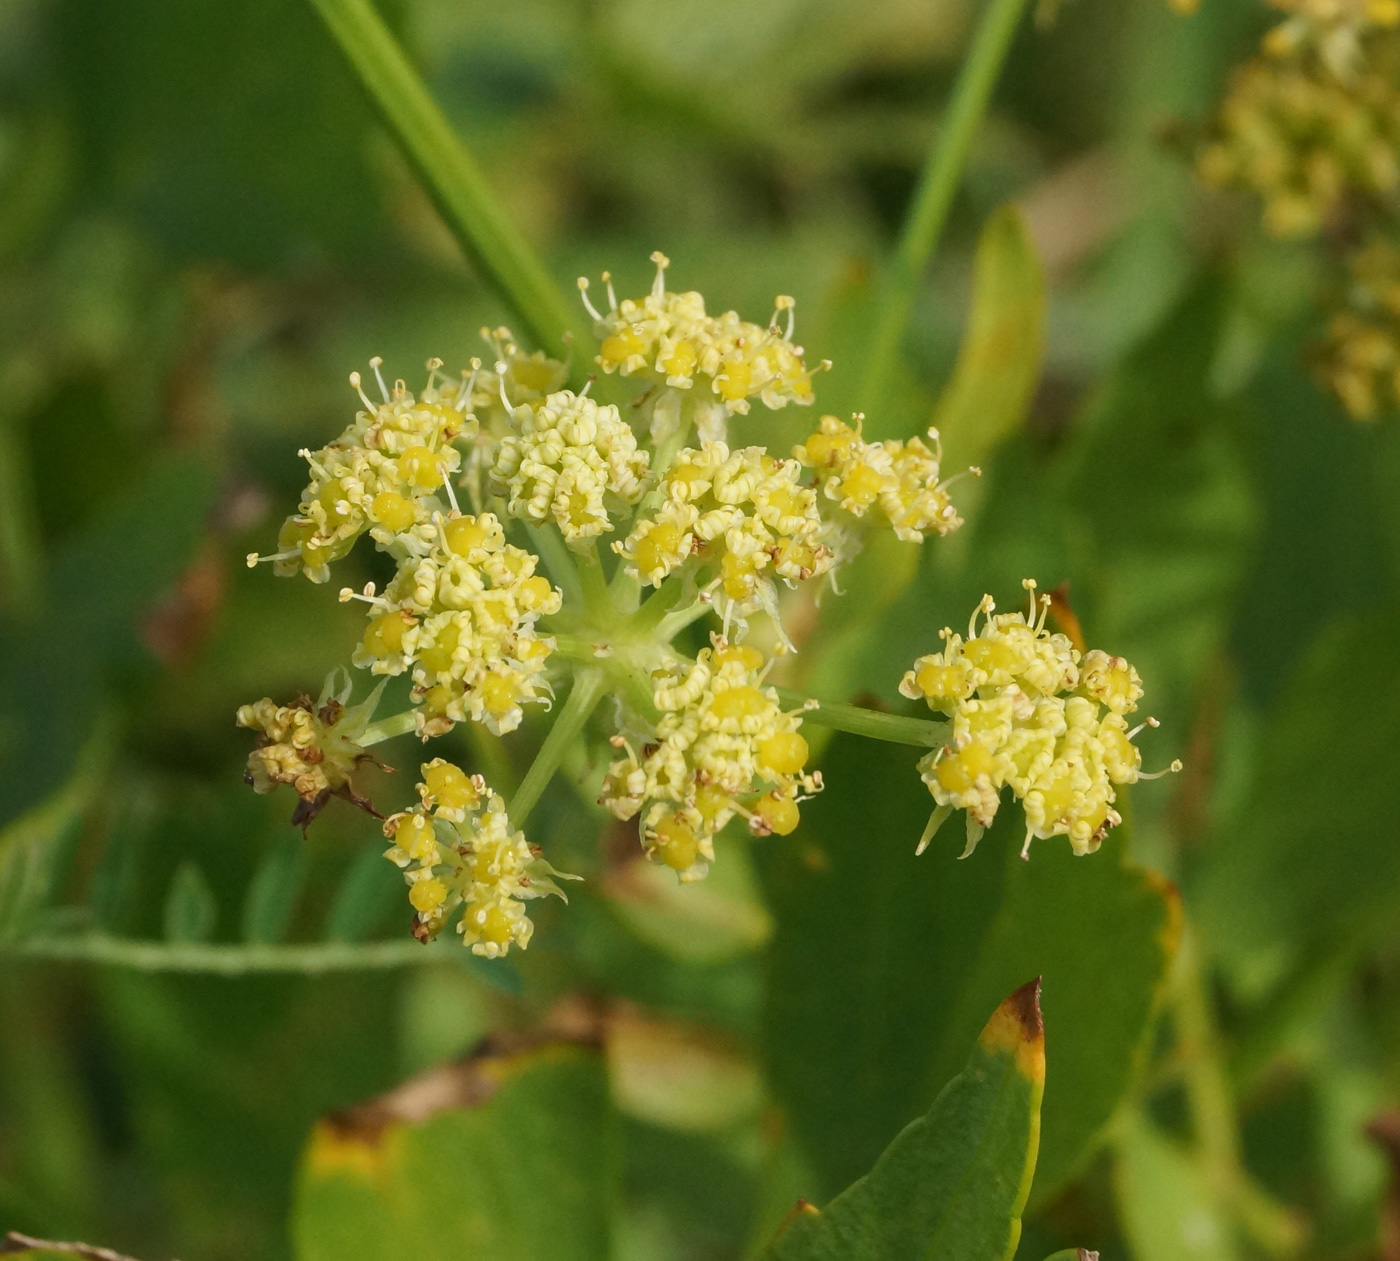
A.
x: 565, y: 456
x: 375, y: 476
x: 743, y: 516
x: 461, y: 612
x: 1334, y: 29
x: 1359, y: 358
x: 892, y: 480
x: 311, y: 747
x: 457, y: 850
x: 1302, y: 139
x: 1028, y: 714
x: 722, y: 736
x: 669, y: 338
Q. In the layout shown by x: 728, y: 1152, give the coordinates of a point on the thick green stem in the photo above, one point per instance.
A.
x: 858, y: 721
x: 452, y: 178
x: 558, y: 560
x: 597, y: 600
x: 583, y: 699
x: 934, y: 196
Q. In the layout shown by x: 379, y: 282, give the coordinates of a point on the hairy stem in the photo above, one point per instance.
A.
x: 451, y: 176
x: 943, y: 169
x: 583, y: 699
x: 859, y: 721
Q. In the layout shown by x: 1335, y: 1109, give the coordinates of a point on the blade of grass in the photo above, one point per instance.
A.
x: 451, y: 176
x: 934, y: 196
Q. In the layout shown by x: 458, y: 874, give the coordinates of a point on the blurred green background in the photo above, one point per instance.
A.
x: 202, y: 231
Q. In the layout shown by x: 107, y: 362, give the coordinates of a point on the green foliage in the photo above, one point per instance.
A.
x: 510, y: 1157
x: 882, y: 964
x: 955, y: 1181
x: 204, y: 226
x: 999, y: 361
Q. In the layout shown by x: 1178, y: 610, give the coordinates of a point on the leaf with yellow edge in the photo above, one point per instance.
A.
x: 506, y: 1157
x: 954, y: 1182
x: 999, y: 360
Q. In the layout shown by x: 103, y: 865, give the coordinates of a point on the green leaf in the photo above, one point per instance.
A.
x: 882, y: 964
x: 1073, y: 1254
x: 273, y: 892
x: 501, y: 1158
x: 999, y: 362
x: 954, y: 1182
x: 190, y: 909
x: 1297, y: 868
x: 1166, y: 1202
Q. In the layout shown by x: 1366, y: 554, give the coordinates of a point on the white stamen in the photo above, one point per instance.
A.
x: 588, y: 305
x: 379, y: 376
x: 254, y: 560
x: 612, y: 293
x: 1171, y: 770
x: 658, y: 286
x: 359, y: 389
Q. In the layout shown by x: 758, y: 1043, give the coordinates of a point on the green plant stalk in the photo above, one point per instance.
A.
x: 550, y: 547
x: 1270, y: 1226
x: 597, y: 599
x: 934, y: 196
x: 387, y: 728
x: 588, y: 689
x: 226, y: 959
x: 893, y: 728
x: 452, y: 178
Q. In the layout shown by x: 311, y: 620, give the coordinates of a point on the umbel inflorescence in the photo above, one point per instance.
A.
x: 549, y: 544
x: 1312, y: 126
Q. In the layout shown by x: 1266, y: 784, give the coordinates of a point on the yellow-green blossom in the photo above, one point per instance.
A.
x: 1359, y: 358
x: 1028, y: 713
x: 565, y: 460
x: 742, y: 518
x: 722, y: 746
x: 892, y: 482
x: 380, y: 474
x: 461, y: 613
x: 668, y: 337
x: 458, y: 852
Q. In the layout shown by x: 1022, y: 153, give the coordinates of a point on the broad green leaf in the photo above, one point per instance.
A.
x: 190, y: 909
x: 954, y: 1182
x: 1309, y: 860
x: 999, y: 362
x: 1167, y: 1204
x: 883, y: 963
x: 1073, y: 1254
x: 507, y: 1157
